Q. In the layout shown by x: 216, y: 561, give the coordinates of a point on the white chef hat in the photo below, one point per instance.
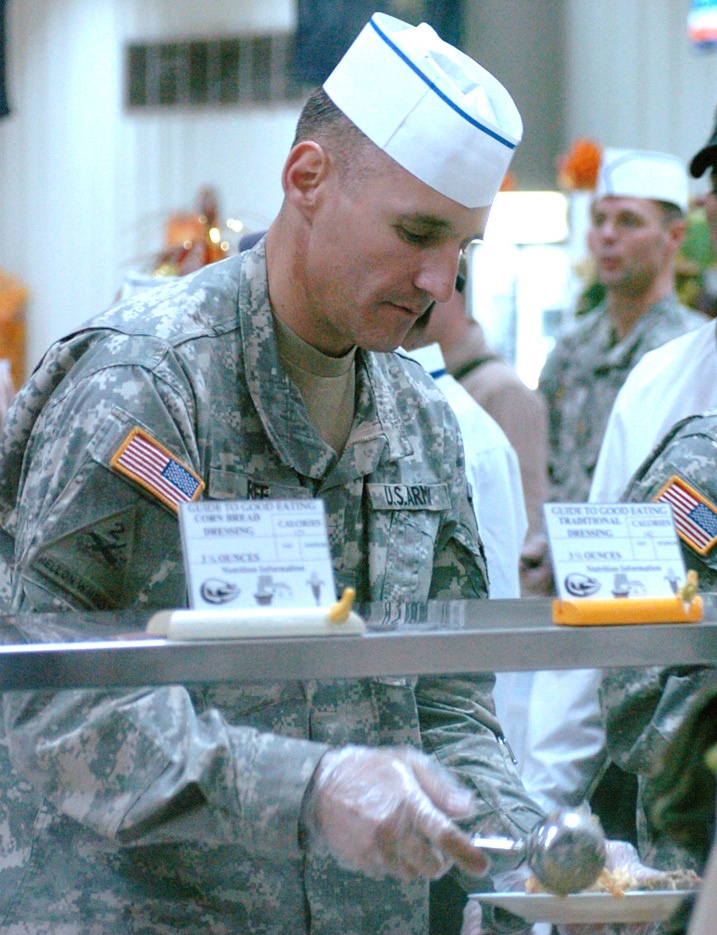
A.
x: 433, y: 109
x: 634, y: 173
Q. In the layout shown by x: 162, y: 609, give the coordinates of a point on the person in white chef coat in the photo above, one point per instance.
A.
x: 493, y: 472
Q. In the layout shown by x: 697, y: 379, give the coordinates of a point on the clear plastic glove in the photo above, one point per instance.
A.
x: 472, y: 918
x: 620, y: 856
x: 511, y: 881
x: 389, y: 813
x: 506, y: 924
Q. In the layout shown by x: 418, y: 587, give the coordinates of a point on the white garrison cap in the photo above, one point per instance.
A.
x: 433, y: 109
x: 633, y: 173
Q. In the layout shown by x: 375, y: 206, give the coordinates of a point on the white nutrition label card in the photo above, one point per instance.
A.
x: 606, y: 550
x: 257, y: 553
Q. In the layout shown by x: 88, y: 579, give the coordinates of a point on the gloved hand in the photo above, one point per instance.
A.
x: 536, y: 570
x: 506, y: 924
x: 388, y: 813
x: 620, y: 856
x: 472, y: 918
x: 498, y: 920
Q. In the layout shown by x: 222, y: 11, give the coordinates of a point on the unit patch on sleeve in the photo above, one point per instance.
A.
x: 695, y: 517
x: 148, y: 463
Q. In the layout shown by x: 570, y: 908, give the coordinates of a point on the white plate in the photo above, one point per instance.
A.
x: 588, y: 907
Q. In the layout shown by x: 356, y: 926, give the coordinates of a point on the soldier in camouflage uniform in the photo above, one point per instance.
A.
x: 644, y: 707
x: 637, y: 225
x: 262, y: 808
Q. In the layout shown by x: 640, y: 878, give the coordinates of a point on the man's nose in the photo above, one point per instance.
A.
x: 606, y: 230
x: 437, y: 275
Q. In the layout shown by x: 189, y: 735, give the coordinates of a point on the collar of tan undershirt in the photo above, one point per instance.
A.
x: 327, y: 384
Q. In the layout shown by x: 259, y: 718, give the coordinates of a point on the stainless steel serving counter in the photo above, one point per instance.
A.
x: 111, y: 649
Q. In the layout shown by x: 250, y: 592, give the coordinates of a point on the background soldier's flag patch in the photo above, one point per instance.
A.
x: 144, y: 460
x: 695, y: 517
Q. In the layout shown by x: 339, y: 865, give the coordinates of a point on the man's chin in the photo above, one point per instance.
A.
x: 414, y: 338
x: 407, y: 333
x: 384, y: 345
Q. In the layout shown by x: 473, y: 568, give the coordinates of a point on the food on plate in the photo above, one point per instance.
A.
x: 620, y: 881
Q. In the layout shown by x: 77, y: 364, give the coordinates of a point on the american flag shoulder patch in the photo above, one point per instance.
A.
x: 148, y: 463
x: 695, y: 516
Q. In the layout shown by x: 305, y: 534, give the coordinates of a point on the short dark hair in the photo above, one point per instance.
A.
x: 322, y: 121
x: 320, y: 117
x: 671, y: 212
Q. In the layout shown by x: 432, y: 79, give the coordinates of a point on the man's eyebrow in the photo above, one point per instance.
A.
x: 428, y: 221
x: 434, y: 224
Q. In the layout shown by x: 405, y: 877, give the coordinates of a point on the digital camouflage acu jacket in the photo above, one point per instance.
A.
x: 581, y: 378
x: 177, y: 808
x: 644, y: 707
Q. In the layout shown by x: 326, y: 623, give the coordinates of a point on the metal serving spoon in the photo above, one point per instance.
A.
x: 566, y: 851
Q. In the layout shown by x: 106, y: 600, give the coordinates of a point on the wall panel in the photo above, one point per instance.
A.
x: 85, y: 185
x: 634, y: 79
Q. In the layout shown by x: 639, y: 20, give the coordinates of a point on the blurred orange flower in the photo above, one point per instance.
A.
x: 578, y: 168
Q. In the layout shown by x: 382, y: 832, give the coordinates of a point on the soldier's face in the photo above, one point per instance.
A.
x: 630, y: 242
x: 381, y: 250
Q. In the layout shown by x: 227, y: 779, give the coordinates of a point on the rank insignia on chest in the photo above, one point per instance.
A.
x: 695, y: 516
x: 148, y: 463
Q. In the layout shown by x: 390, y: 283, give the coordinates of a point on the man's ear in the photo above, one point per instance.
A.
x: 677, y: 231
x: 306, y: 167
